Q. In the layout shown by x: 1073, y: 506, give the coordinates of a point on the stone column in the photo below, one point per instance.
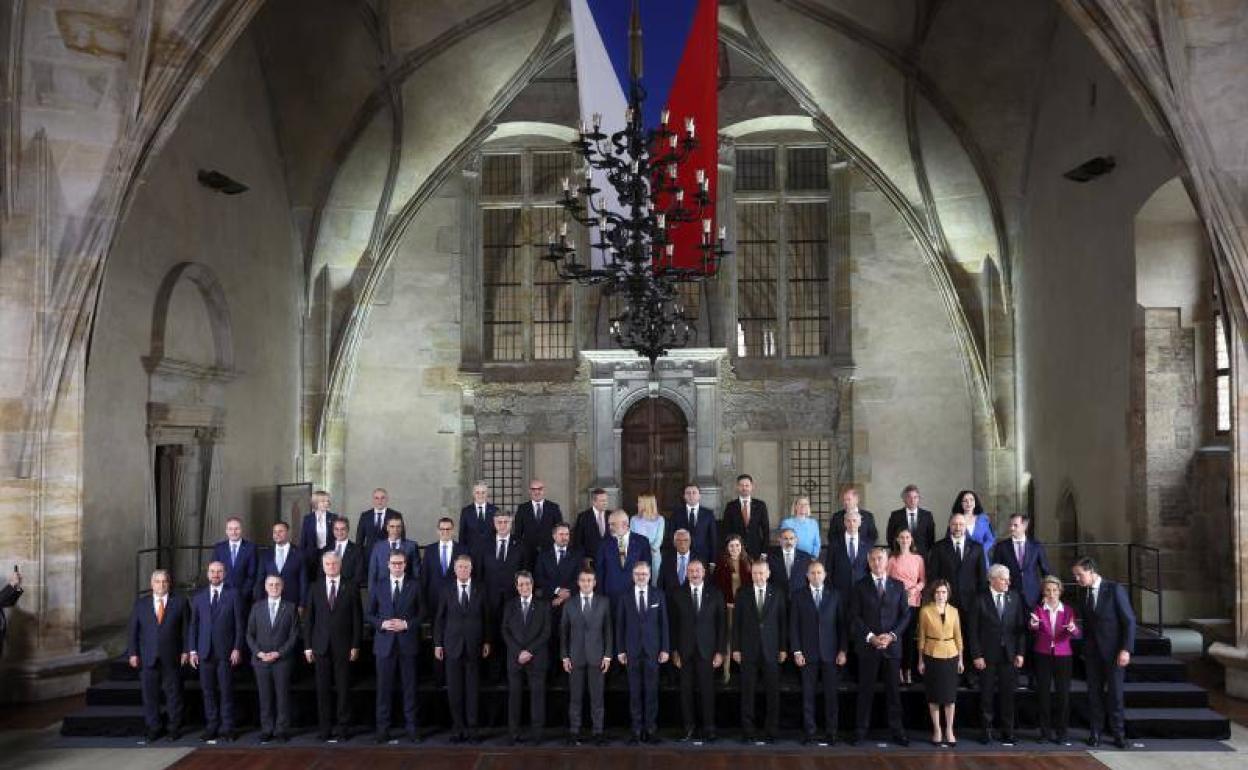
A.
x: 1235, y: 658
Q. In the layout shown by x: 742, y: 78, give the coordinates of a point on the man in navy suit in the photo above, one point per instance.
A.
x: 284, y: 561
x: 642, y: 644
x: 476, y: 520
x: 847, y: 556
x: 317, y: 530
x: 1108, y: 642
x: 554, y: 580
x: 498, y: 560
x: 818, y: 634
x: 747, y: 516
x: 879, y: 613
x: 759, y: 630
x: 996, y: 638
x: 699, y: 633
x: 460, y: 639
x: 699, y: 521
x: 1024, y: 557
x: 591, y: 525
x: 674, y: 570
x: 372, y: 524
x: 788, y: 563
x: 536, y: 519
x: 394, y: 610
x: 918, y: 520
x: 215, y: 642
x: 379, y: 559
x: 618, y: 554
x: 157, y: 647
x: 438, y: 565
x: 837, y: 525
x: 240, y: 557
x: 348, y: 553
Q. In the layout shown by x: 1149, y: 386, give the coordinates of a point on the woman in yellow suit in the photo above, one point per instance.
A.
x: 939, y: 639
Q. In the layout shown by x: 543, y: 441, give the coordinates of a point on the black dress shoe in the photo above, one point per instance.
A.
x: 600, y: 739
x: 831, y: 739
x: 652, y: 738
x: 634, y: 739
x: 1008, y: 739
x: 807, y: 740
x: 747, y: 738
x: 1060, y: 739
x: 230, y: 735
x: 710, y: 737
x: 534, y: 739
x: 902, y: 740
x: 208, y: 735
x: 175, y: 733
x: 1094, y: 740
x: 324, y: 737
x: 1120, y: 741
x: 152, y: 736
x: 343, y: 734
x: 266, y: 737
x: 687, y: 737
x: 855, y: 738
x: 572, y: 740
x: 769, y: 739
x: 381, y: 737
x: 283, y: 738
x: 987, y: 737
x: 414, y: 737
x: 511, y: 740
x: 457, y: 738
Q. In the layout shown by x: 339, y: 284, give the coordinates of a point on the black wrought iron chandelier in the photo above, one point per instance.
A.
x: 637, y: 258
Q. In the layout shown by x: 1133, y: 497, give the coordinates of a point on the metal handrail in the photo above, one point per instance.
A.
x: 1133, y: 582
x: 140, y: 579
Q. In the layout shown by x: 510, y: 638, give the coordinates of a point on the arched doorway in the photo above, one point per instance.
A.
x: 655, y: 449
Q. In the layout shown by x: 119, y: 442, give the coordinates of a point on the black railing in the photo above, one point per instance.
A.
x: 186, y: 573
x: 1141, y: 572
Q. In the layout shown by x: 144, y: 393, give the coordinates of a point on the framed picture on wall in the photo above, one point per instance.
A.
x: 293, y: 501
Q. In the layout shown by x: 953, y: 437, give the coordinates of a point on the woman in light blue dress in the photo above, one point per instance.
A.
x: 650, y: 525
x: 978, y: 523
x: 806, y: 528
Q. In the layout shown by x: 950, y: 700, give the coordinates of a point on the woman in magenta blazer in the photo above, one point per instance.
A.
x: 1054, y: 626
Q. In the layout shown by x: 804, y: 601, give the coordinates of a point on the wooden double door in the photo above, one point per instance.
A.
x: 655, y: 447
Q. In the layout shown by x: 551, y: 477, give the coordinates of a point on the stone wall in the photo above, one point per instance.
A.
x: 245, y: 241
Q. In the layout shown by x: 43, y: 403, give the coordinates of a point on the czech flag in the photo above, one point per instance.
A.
x: 680, y: 58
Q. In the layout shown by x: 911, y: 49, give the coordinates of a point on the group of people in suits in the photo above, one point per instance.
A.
x: 524, y: 597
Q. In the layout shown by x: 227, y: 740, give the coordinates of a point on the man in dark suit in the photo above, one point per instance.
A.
x: 476, y: 520
x: 788, y: 564
x: 1024, y: 557
x: 372, y: 524
x: 818, y: 634
x: 157, y: 638
x: 8, y: 597
x: 746, y: 517
x: 591, y: 525
x: 272, y: 635
x: 849, y: 501
x: 438, y: 565
x: 240, y: 557
x: 284, y: 561
x: 585, y: 644
x: 554, y: 581
x: 317, y: 530
x: 959, y: 560
x: 1108, y: 643
x: 460, y: 641
x: 395, y: 611
x: 699, y: 637
x: 526, y: 632
x: 618, y: 554
x: 215, y: 643
x: 498, y: 560
x: 674, y: 569
x: 536, y: 519
x: 879, y: 613
x: 349, y: 554
x: 699, y: 521
x: 379, y: 559
x: 331, y: 641
x: 642, y: 643
x: 996, y: 637
x: 918, y: 520
x: 759, y: 645
x: 847, y: 556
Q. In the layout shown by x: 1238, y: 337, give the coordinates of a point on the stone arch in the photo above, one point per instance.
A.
x: 213, y: 296
x: 629, y: 401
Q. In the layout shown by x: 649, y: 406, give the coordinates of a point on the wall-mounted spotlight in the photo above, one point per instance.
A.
x: 215, y: 180
x: 1091, y: 169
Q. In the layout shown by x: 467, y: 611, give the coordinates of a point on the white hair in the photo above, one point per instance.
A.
x: 998, y: 570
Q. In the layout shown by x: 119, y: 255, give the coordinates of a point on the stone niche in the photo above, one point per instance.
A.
x: 689, y: 378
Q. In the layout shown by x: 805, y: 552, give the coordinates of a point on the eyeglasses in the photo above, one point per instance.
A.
x: 536, y: 489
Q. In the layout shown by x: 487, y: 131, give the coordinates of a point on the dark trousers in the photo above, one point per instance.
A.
x: 387, y: 668
x: 273, y: 685
x: 463, y: 680
x: 870, y: 663
x: 812, y: 674
x: 751, y: 670
x: 164, y: 677
x: 643, y: 693
x: 697, y: 674
x: 333, y: 690
x: 997, y: 682
x: 535, y: 674
x: 588, y: 675
x: 1105, y: 679
x: 216, y: 680
x: 1053, y: 673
